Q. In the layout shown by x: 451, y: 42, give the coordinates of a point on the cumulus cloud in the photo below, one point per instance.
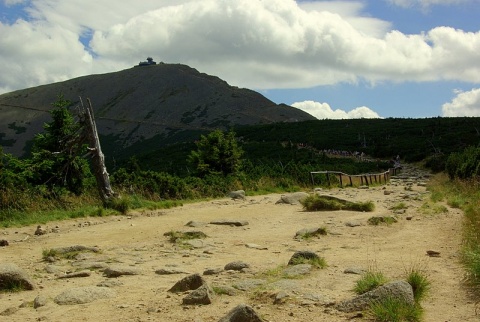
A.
x: 464, y: 104
x: 324, y: 111
x: 260, y: 44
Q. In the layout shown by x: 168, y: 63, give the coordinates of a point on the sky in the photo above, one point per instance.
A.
x: 332, y: 59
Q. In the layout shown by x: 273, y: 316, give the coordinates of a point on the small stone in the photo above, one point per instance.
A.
x: 39, y: 301
x: 236, y: 266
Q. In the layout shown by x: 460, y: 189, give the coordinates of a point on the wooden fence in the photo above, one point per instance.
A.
x: 362, y: 179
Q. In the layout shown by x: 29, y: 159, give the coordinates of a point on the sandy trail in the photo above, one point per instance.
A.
x: 138, y: 241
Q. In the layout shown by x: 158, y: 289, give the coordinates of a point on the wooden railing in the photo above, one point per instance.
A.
x: 363, y: 179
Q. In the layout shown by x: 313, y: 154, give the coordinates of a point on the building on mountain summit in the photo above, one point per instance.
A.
x: 147, y: 63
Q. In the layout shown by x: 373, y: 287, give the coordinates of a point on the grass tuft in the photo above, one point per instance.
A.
x: 318, y: 262
x: 369, y: 281
x: 377, y: 220
x: 419, y: 282
x: 176, y: 236
x: 392, y: 309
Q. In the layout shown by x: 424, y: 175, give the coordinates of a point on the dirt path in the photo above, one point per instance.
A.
x: 138, y: 242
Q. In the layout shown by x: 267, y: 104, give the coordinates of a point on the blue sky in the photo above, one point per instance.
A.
x: 333, y: 59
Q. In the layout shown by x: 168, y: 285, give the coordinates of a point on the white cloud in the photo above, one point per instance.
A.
x: 464, y: 104
x: 324, y: 111
x: 258, y: 44
x: 426, y: 3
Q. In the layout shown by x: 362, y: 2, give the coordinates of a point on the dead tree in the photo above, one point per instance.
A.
x: 98, y: 159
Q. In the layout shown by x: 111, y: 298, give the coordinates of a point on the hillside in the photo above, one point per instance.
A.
x: 165, y: 102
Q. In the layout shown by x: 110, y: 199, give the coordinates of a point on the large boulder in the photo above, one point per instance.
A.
x: 293, y: 198
x: 400, y: 290
x: 202, y: 295
x: 82, y: 295
x: 188, y: 283
x: 242, y: 313
x: 239, y: 194
x: 13, y: 277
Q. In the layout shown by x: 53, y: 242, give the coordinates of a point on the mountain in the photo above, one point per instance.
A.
x: 159, y: 104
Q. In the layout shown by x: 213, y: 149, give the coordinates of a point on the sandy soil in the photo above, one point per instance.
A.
x: 138, y: 241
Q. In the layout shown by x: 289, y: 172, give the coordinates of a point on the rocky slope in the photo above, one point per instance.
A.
x: 168, y: 102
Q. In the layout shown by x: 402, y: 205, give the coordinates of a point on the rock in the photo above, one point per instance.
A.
x: 353, y: 223
x: 202, y: 295
x: 300, y: 256
x: 241, y: 313
x: 224, y: 289
x: 75, y: 248
x: 354, y: 270
x: 236, y: 266
x: 12, y: 275
x: 40, y: 231
x: 399, y: 290
x: 212, y: 271
x: 53, y: 269
x: 171, y: 271
x: 293, y: 198
x: 190, y: 282
x: 195, y: 224
x: 82, y: 295
x: 116, y: 271
x: 39, y: 301
x: 9, y: 311
x: 249, y: 284
x: 310, y: 232
x: 195, y: 243
x: 281, y: 297
x: 3, y: 243
x: 255, y: 246
x: 297, y: 270
x: 433, y: 253
x: 110, y: 283
x: 76, y: 274
x: 237, y: 223
x: 239, y: 194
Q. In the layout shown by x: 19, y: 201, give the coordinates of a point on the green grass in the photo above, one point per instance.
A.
x: 465, y: 195
x: 176, y: 236
x: 391, y: 309
x: 11, y: 286
x: 420, y: 283
x: 322, y: 231
x: 325, y: 203
x: 369, y: 281
x: 80, y: 209
x: 377, y: 220
x: 317, y: 262
x: 399, y: 206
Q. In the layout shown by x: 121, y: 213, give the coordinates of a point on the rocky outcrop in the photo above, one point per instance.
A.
x: 400, y: 290
x: 13, y: 277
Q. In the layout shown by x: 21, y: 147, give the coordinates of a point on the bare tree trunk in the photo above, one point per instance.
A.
x: 98, y: 159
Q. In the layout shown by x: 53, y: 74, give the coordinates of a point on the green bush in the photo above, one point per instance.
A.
x: 464, y: 165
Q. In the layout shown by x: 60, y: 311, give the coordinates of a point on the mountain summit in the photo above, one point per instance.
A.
x: 168, y: 102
